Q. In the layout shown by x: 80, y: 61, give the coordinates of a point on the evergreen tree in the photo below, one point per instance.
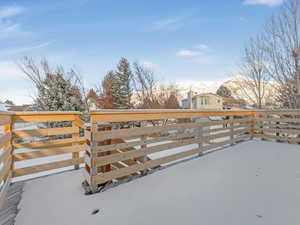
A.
x: 9, y: 102
x: 122, y: 87
x: 224, y: 91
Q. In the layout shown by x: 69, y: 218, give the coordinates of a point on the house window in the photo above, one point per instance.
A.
x: 205, y: 101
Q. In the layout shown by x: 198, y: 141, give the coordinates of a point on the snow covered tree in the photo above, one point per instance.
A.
x: 122, y: 88
x: 57, y: 90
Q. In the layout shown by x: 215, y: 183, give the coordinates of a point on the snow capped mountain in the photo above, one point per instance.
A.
x: 198, y: 87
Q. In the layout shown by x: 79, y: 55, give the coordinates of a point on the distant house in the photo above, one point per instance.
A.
x: 210, y: 101
x: 202, y: 101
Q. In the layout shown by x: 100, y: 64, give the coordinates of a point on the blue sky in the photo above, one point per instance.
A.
x: 187, y: 40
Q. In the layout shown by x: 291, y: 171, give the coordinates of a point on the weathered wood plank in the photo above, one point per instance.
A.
x: 271, y: 130
x: 101, y: 136
x: 124, y: 116
x: 5, y: 119
x: 277, y: 126
x: 280, y: 138
x: 5, y: 169
x: 5, y: 154
x: 44, y: 132
x: 102, y: 178
x: 45, y: 167
x: 282, y: 120
x: 48, y: 152
x: 49, y: 143
x: 176, y: 136
x: 104, y: 160
x: 42, y: 118
x: 5, y: 139
x: 79, y: 122
x: 4, y: 190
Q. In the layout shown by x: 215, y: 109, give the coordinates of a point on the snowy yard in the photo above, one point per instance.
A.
x: 254, y: 182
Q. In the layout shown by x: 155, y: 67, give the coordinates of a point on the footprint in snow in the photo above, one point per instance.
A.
x: 95, y: 211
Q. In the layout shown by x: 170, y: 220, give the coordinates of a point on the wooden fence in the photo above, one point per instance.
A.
x: 38, y: 143
x: 119, y: 144
x: 278, y: 125
x: 6, y: 157
x: 135, y: 142
x: 125, y: 143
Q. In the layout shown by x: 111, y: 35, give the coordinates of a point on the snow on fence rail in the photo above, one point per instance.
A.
x: 124, y: 143
x: 55, y: 134
x: 138, y: 141
x: 34, y: 144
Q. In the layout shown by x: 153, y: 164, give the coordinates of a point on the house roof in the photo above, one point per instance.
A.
x: 205, y: 94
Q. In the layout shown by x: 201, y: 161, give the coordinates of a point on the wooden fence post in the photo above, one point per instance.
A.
x: 8, y: 128
x: 94, y: 169
x: 231, y: 132
x: 144, y: 138
x: 252, y: 124
x: 200, y: 145
x: 75, y: 155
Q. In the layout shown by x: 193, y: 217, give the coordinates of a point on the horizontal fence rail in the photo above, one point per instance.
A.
x: 6, y: 156
x: 39, y: 137
x: 118, y: 144
x: 125, y: 143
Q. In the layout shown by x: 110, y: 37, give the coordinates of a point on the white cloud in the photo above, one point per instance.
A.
x: 25, y: 49
x: 202, y: 47
x: 189, y: 53
x: 8, y: 28
x: 264, y: 2
x: 10, y: 11
x: 168, y: 24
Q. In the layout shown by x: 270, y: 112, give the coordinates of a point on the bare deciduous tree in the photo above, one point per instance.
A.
x: 254, y: 72
x: 281, y: 44
x: 145, y: 86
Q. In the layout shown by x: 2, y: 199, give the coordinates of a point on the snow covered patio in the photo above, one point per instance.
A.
x: 254, y: 182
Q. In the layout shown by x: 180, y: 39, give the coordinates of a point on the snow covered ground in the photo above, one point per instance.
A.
x: 255, y: 182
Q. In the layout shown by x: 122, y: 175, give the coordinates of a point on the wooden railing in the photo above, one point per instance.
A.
x: 6, y: 156
x: 124, y: 143
x: 38, y: 143
x: 119, y: 144
x: 278, y: 125
x: 40, y: 139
